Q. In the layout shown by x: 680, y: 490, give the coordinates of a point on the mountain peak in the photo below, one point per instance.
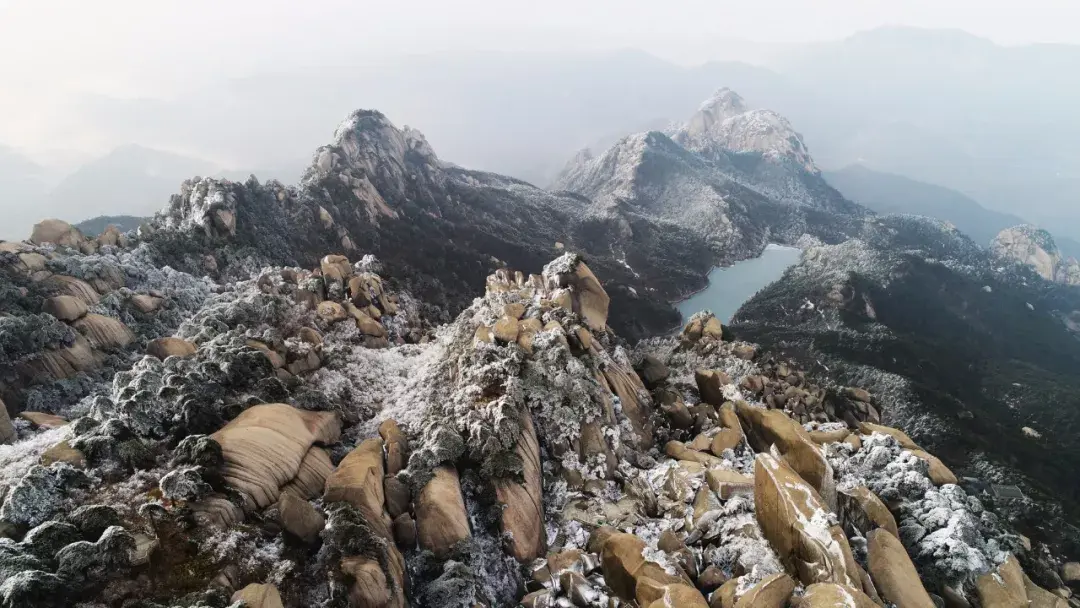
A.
x: 724, y: 103
x: 723, y: 122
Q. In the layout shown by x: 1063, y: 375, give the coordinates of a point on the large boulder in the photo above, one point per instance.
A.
x: 634, y: 401
x: 863, y: 511
x: 710, y: 383
x: 163, y: 348
x: 373, y: 586
x: 797, y: 523
x: 730, y: 435
x: 1002, y: 588
x: 937, y: 471
x: 78, y: 288
x: 396, y: 444
x: 620, y: 558
x: 259, y: 596
x: 57, y: 232
x: 65, y: 362
x: 893, y: 572
x: 104, y: 332
x: 310, y: 480
x: 773, y: 592
x: 831, y: 595
x: 587, y: 296
x: 7, y: 430
x: 441, y: 520
x: 65, y: 307
x: 766, y: 428
x: 335, y: 269
x: 299, y: 518
x: 523, y: 508
x: 264, y: 447
x: 358, y: 480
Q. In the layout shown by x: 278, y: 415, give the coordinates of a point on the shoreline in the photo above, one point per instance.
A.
x: 708, y: 282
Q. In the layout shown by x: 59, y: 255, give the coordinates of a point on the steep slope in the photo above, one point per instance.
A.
x: 439, y: 229
x: 735, y: 185
x: 971, y: 359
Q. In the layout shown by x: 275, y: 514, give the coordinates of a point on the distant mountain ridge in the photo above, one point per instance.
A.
x: 97, y: 225
x: 889, y: 193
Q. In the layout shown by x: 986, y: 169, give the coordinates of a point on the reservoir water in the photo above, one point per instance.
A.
x: 730, y: 286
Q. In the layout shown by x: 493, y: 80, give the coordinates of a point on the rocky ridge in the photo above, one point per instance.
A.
x: 222, y: 407
x: 310, y: 437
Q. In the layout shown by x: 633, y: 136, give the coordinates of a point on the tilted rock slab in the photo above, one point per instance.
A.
x: 523, y: 512
x: 766, y: 428
x: 265, y: 446
x: 796, y: 522
x: 358, y: 480
x: 441, y: 520
x: 893, y: 572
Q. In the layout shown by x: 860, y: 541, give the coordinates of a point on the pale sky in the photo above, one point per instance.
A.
x: 53, y: 51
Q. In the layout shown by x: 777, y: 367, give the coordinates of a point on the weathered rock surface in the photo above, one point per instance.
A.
x: 798, y: 525
x: 163, y: 348
x: 104, y: 332
x: 57, y: 232
x: 358, y: 480
x: 766, y: 428
x: 259, y: 596
x: 263, y: 449
x: 300, y: 518
x: 831, y: 595
x: 523, y: 512
x: 441, y: 520
x: 772, y: 592
x: 65, y: 307
x: 893, y: 573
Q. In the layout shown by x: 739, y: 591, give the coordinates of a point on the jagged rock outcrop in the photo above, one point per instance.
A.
x: 1033, y: 247
x: 358, y: 481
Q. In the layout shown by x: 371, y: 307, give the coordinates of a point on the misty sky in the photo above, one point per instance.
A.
x: 52, y: 52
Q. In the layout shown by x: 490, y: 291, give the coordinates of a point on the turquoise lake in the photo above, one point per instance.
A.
x: 730, y: 286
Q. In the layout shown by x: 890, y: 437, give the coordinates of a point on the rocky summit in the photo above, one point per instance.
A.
x: 404, y: 383
x: 1035, y: 248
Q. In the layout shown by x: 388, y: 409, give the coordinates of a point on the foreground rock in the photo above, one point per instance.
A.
x: 799, y: 525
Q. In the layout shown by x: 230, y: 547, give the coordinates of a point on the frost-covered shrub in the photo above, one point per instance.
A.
x: 185, y: 483
x: 46, y: 540
x: 112, y: 446
x: 951, y: 537
x: 198, y: 450
x: 41, y: 493
x: 85, y: 563
x: 93, y: 520
x: 34, y: 588
x: 27, y: 335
